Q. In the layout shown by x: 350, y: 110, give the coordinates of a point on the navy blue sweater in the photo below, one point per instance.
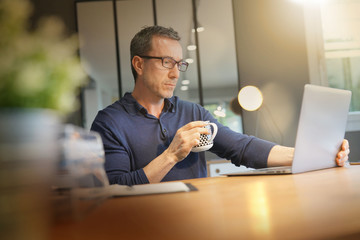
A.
x: 132, y: 138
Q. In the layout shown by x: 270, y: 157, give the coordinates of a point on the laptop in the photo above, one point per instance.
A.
x: 320, y: 131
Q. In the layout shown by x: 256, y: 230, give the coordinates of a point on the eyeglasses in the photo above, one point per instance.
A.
x: 169, y: 62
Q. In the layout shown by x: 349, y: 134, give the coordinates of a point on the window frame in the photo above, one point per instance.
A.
x: 316, y: 57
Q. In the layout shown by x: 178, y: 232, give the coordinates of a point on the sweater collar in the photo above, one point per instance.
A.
x: 132, y: 106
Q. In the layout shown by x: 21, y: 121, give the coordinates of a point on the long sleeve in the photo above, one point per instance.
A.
x: 241, y: 149
x: 118, y: 163
x: 132, y: 138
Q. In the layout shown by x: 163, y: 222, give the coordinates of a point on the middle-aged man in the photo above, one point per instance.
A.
x: 149, y: 133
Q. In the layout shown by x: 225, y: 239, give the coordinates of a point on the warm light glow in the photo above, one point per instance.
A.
x: 189, y: 60
x: 220, y: 111
x: 309, y: 1
x: 185, y: 82
x: 191, y: 47
x: 184, y: 88
x: 250, y: 98
x: 199, y: 29
x: 259, y: 209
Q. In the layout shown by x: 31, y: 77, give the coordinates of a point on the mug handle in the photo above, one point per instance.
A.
x: 214, y: 131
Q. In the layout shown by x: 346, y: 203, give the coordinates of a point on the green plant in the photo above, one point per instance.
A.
x: 38, y: 68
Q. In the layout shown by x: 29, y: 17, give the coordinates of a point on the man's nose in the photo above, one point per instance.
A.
x: 174, y: 72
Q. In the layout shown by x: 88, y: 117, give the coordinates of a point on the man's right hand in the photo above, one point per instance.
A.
x: 186, y: 138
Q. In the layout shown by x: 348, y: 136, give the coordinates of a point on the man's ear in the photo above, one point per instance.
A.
x: 138, y: 64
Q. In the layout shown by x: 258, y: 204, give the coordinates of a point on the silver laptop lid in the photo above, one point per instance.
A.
x: 321, y: 127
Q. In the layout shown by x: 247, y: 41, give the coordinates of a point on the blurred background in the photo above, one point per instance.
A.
x: 277, y: 46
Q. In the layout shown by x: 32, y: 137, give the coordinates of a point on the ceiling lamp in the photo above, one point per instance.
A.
x: 191, y: 47
x: 185, y: 82
x: 198, y: 29
x: 189, y: 60
x: 184, y: 88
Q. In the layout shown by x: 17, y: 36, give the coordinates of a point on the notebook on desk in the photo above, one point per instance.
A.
x: 320, y: 131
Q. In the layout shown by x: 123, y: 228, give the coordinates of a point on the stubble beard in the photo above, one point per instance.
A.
x: 161, y: 91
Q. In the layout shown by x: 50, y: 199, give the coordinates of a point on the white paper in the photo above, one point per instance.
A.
x: 123, y: 190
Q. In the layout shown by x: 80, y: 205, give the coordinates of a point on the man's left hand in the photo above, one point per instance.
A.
x: 343, y: 154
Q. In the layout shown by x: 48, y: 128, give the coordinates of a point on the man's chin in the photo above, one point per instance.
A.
x: 167, y: 94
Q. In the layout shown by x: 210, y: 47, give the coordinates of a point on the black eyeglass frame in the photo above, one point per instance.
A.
x: 178, y: 63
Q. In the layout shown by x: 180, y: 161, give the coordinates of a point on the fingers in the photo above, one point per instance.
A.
x: 186, y: 138
x: 200, y: 130
x: 194, y: 124
x: 343, y: 155
x: 341, y: 161
x: 194, y: 127
x: 345, y: 144
x: 192, y: 136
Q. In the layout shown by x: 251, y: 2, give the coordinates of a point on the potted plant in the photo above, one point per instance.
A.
x: 40, y: 74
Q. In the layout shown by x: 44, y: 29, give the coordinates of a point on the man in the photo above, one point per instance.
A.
x: 148, y: 134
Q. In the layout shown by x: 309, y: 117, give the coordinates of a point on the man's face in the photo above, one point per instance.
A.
x: 161, y: 81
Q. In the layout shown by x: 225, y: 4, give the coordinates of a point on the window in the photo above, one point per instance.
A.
x: 223, y: 113
x: 341, y: 33
x: 333, y: 37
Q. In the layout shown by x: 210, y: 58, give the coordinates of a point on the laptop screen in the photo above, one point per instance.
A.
x: 321, y: 127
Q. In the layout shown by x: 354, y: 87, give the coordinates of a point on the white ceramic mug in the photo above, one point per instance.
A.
x: 206, y: 140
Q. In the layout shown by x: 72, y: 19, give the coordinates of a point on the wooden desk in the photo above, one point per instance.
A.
x: 316, y: 205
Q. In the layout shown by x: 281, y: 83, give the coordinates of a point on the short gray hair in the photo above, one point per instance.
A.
x: 141, y: 42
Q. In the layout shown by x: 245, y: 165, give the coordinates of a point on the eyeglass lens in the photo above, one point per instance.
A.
x: 170, y: 63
